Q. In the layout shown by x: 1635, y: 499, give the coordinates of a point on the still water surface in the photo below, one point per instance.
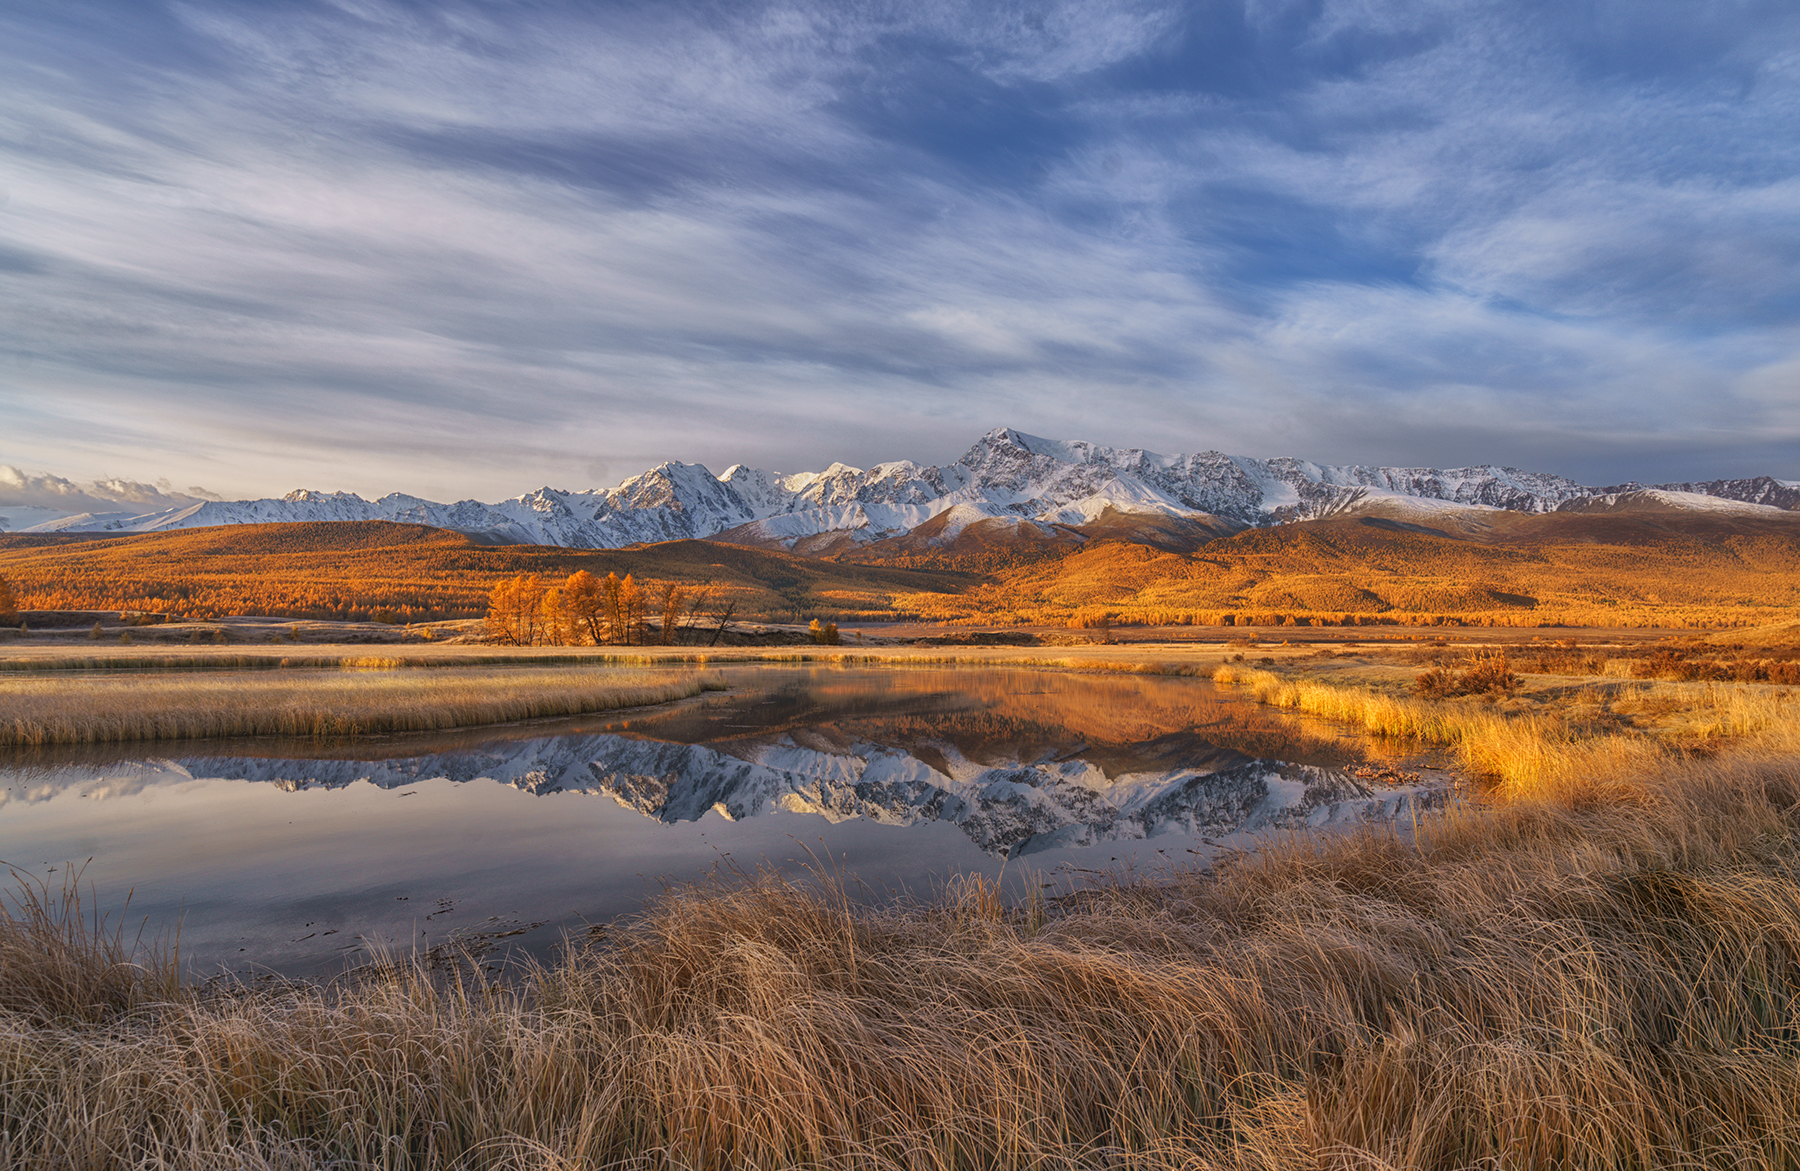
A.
x: 296, y: 856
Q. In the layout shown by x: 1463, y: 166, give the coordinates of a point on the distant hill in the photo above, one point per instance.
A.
x: 354, y: 569
x: 1594, y: 568
x: 1643, y: 563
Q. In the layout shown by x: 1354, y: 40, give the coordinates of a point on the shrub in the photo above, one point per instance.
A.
x: 1490, y: 675
x: 1666, y: 663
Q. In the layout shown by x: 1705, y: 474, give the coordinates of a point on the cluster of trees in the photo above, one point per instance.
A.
x: 9, y: 606
x: 584, y: 610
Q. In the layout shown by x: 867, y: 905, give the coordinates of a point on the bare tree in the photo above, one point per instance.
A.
x: 724, y: 617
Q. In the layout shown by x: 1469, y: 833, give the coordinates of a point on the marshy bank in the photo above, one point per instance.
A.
x: 1604, y: 978
x: 91, y: 707
x: 1558, y: 738
x: 296, y: 854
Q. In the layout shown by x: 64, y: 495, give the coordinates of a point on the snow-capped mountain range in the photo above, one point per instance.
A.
x: 1007, y: 477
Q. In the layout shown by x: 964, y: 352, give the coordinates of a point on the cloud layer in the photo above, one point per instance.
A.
x: 21, y: 490
x: 465, y: 249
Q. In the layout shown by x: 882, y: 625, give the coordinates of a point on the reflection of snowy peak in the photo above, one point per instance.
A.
x: 1007, y: 475
x: 1012, y: 808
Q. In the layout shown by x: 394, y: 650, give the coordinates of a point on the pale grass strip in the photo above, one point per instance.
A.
x: 87, y: 709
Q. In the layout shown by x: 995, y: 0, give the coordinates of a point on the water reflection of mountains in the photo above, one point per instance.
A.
x: 1019, y: 761
x: 1016, y: 806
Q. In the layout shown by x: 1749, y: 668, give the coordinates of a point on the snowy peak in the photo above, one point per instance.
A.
x: 308, y: 496
x: 1756, y: 490
x: 1006, y: 475
x: 1666, y: 500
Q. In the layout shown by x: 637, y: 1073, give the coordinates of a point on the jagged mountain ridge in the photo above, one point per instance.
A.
x: 1007, y: 480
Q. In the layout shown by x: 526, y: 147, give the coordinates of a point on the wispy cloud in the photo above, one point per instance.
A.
x: 465, y: 249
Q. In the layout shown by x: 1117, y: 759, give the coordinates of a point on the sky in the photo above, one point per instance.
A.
x: 470, y: 249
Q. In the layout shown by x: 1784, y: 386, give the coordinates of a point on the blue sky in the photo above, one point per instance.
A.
x: 469, y: 249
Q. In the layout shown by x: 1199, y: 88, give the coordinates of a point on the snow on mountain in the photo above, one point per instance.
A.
x: 1664, y: 500
x: 1756, y: 490
x: 1006, y: 475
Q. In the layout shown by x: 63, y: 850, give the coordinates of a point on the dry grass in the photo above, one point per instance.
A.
x: 64, y: 966
x: 1599, y: 970
x: 82, y: 708
x: 1535, y: 754
x: 1606, y: 985
x: 177, y: 658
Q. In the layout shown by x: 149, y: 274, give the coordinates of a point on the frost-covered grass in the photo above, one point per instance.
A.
x: 1599, y: 982
x: 365, y: 696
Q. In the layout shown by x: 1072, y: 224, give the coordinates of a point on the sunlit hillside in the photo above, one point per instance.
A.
x: 365, y: 569
x: 1573, y: 570
x: 1501, y: 569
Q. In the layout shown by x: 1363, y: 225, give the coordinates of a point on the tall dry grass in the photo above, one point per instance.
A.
x: 87, y: 709
x: 65, y: 965
x: 1532, y: 985
x: 1546, y: 754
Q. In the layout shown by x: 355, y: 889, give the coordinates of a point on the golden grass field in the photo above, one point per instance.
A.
x: 367, y: 696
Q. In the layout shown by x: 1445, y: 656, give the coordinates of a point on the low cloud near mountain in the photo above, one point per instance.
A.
x: 21, y: 490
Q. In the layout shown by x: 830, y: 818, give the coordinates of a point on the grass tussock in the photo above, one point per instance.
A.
x: 368, y: 698
x: 64, y: 966
x: 1602, y: 985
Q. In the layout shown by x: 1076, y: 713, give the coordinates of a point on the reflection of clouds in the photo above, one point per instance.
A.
x: 35, y: 786
x: 1481, y: 226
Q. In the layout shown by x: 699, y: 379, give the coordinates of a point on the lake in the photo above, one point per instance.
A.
x: 298, y: 856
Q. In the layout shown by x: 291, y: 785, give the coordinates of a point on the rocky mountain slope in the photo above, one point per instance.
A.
x: 1009, y: 484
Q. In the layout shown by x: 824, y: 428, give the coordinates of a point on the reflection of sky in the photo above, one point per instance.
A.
x: 250, y: 866
x: 299, y: 881
x: 1560, y: 236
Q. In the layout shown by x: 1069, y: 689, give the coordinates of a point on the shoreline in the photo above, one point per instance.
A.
x: 1559, y: 982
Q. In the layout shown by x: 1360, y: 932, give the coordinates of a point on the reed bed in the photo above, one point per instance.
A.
x: 1529, y: 985
x: 280, y: 659
x: 91, y: 709
x: 1528, y: 754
